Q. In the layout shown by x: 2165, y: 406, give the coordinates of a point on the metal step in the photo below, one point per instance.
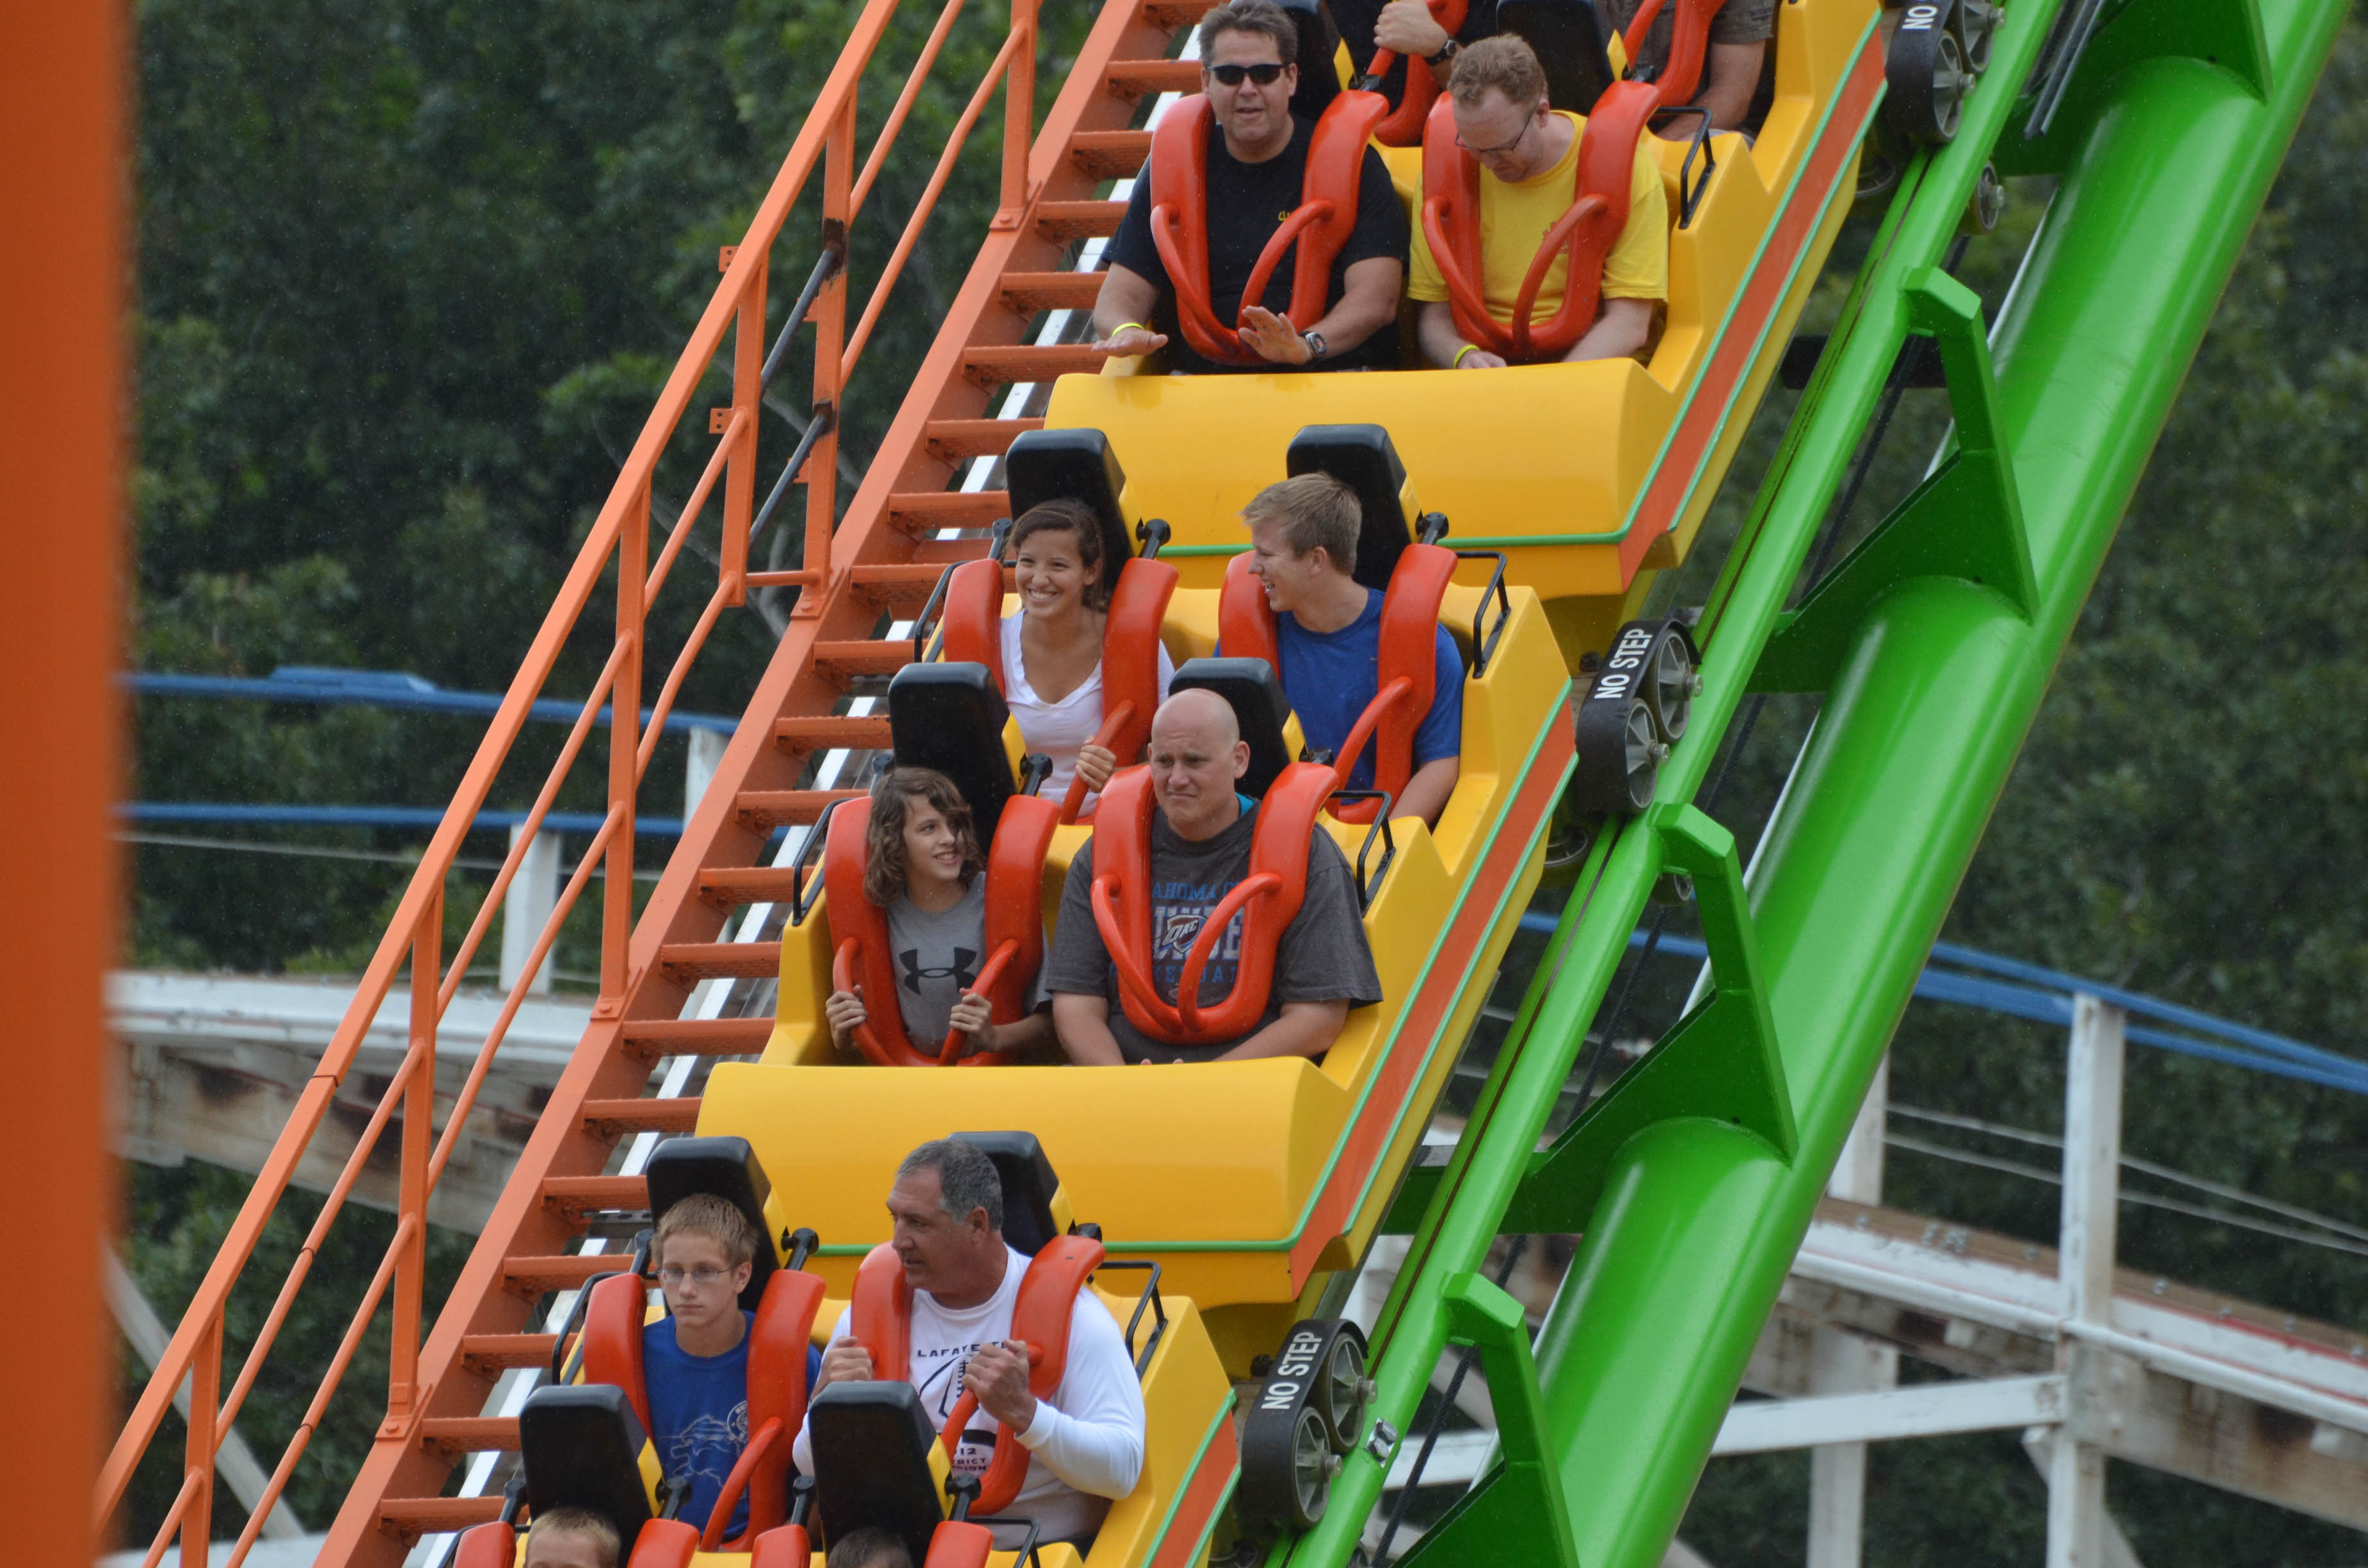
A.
x: 846, y: 663
x: 574, y: 1198
x: 762, y: 810
x: 829, y: 732
x: 1029, y: 292
x: 491, y: 1354
x: 688, y: 961
x: 958, y: 440
x: 531, y: 1275
x: 459, y: 1434
x: 1010, y: 364
x: 1109, y: 154
x: 1133, y: 79
x: 613, y: 1119
x: 1062, y: 222
x: 648, y: 1039
x: 408, y: 1518
x: 921, y: 512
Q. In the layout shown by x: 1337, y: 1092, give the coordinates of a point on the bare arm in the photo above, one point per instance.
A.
x: 1127, y: 300
x: 1083, y: 1024
x: 1734, y: 72
x: 1427, y: 791
x: 1618, y: 332
x: 1305, y: 1028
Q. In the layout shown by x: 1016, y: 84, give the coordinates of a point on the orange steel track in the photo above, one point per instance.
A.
x: 877, y: 563
x: 62, y: 430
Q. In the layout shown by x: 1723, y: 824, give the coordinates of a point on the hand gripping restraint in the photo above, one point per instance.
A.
x: 1404, y: 125
x: 882, y: 1314
x: 1321, y: 224
x: 1268, y: 900
x: 1015, y: 929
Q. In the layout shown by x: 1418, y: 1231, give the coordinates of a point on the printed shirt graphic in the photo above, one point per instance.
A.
x: 1323, y: 955
x: 699, y: 1410
x: 937, y: 958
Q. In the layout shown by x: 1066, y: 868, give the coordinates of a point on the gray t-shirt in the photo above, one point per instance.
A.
x: 1737, y: 21
x: 937, y: 958
x: 1322, y: 955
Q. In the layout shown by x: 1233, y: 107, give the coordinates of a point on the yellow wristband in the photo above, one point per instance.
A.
x: 1457, y: 363
x: 1127, y: 326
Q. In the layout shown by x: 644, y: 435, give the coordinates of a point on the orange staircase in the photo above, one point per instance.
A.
x: 879, y: 567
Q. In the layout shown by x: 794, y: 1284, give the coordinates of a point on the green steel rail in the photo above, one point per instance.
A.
x: 1694, y: 1180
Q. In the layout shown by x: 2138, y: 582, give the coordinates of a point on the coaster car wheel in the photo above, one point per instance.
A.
x: 1309, y: 1412
x: 1639, y: 705
x: 1925, y: 69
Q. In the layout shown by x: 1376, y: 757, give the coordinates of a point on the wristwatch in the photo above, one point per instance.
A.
x: 1446, y: 55
x: 1315, y: 349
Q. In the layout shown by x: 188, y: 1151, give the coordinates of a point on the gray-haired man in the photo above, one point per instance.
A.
x: 1086, y: 1442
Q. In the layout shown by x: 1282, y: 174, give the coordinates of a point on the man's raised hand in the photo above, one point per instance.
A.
x: 997, y: 1374
x: 845, y: 1362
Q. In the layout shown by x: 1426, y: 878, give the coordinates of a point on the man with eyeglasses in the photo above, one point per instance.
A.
x: 1257, y: 165
x: 1528, y: 153
x: 695, y: 1359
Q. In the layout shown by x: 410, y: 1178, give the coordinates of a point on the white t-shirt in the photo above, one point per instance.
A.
x: 1087, y: 1440
x: 1058, y: 729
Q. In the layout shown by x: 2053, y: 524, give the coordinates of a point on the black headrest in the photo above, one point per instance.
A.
x: 1568, y: 38
x: 1319, y: 81
x: 1071, y: 465
x: 581, y: 1445
x: 1028, y: 1187
x: 728, y: 1168
x: 951, y: 717
x: 871, y: 1464
x: 1250, y: 688
x: 1361, y: 457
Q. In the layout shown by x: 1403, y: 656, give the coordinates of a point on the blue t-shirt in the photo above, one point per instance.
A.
x: 1330, y: 676
x: 699, y: 1410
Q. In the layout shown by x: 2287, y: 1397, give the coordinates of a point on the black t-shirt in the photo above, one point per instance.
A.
x: 1248, y: 202
x: 1357, y: 18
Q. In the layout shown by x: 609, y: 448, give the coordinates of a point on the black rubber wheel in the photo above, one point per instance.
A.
x: 1926, y: 71
x: 1309, y: 1412
x: 1670, y: 684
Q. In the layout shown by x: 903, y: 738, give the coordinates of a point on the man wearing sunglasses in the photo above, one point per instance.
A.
x: 1257, y: 165
x: 1528, y: 154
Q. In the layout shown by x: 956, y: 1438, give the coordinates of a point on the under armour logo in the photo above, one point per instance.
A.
x: 965, y: 969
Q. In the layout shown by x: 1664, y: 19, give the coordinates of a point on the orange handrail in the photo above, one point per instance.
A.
x: 618, y: 540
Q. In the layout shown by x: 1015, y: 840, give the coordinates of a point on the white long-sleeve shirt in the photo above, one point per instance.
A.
x: 1086, y: 1444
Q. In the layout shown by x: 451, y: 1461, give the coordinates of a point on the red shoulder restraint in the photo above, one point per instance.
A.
x: 1014, y: 930
x: 882, y: 1319
x: 1130, y: 666
x: 491, y: 1545
x: 777, y: 1386
x: 1245, y: 623
x: 1403, y: 128
x: 1688, y: 35
x: 1407, y: 677
x: 1321, y: 224
x: 972, y: 617
x: 1268, y: 901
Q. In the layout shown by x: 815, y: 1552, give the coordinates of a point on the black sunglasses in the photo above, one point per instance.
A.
x: 1264, y: 75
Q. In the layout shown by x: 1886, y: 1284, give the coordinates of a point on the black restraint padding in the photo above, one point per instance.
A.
x: 949, y: 717
x: 581, y: 1445
x: 1319, y: 79
x: 1361, y: 457
x: 1568, y: 37
x: 728, y: 1168
x: 1250, y: 688
x: 1028, y: 1186
x: 1072, y: 465
x: 871, y: 1464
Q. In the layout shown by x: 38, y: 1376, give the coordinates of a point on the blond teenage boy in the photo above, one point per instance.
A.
x: 695, y: 1359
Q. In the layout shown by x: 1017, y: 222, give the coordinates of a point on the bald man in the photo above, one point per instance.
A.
x: 1200, y: 849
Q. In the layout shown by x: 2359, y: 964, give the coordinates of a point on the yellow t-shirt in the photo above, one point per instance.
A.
x: 1515, y: 217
